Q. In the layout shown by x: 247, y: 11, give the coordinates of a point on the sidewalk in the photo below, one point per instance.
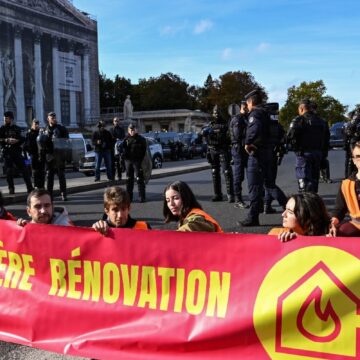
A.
x: 86, y: 183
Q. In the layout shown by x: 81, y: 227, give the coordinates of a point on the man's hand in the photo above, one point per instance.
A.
x: 286, y: 236
x: 250, y: 149
x: 101, y: 227
x: 21, y: 222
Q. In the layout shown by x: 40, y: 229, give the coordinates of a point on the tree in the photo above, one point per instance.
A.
x: 328, y: 107
x: 106, y: 87
x: 168, y: 91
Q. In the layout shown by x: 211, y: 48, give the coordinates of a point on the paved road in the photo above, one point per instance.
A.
x: 86, y: 207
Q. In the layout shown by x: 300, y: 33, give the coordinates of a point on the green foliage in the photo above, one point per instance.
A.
x: 328, y: 107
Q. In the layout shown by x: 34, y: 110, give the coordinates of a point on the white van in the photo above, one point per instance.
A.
x: 78, y: 149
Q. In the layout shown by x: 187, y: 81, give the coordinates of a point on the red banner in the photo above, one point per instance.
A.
x: 165, y: 295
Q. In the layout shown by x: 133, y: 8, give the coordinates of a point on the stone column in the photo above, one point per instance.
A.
x: 19, y: 79
x: 73, y: 122
x: 39, y: 88
x: 56, y: 90
x: 86, y: 85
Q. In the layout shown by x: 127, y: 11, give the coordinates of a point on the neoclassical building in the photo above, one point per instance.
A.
x: 48, y: 62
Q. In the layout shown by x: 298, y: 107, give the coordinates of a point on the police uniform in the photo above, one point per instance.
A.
x: 306, y: 136
x: 134, y: 148
x: 257, y: 135
x: 117, y: 133
x: 238, y: 125
x: 37, y: 159
x: 352, y: 135
x: 218, y: 155
x: 272, y: 191
x: 55, y: 157
x: 12, y: 153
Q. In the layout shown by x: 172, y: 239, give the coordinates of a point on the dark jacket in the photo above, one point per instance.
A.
x: 238, y: 125
x: 257, y: 132
x: 54, y: 132
x: 11, y: 131
x: 134, y: 147
x: 117, y: 133
x: 30, y: 144
x: 307, y: 133
x: 102, y: 140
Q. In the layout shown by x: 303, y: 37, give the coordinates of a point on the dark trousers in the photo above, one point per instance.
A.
x: 240, y: 159
x: 272, y: 191
x: 12, y: 160
x: 55, y: 167
x: 116, y: 166
x: 255, y: 173
x: 133, y: 168
x: 307, y: 170
x: 38, y: 167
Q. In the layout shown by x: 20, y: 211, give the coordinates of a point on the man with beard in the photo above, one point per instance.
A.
x: 40, y: 209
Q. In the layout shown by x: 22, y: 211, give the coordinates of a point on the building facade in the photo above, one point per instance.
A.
x: 179, y: 120
x: 48, y: 62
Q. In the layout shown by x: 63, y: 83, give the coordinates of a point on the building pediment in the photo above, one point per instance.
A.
x: 61, y: 9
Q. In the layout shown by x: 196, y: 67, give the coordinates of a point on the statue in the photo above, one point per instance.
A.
x: 128, y: 109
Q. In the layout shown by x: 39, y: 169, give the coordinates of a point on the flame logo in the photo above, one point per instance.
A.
x: 324, y: 316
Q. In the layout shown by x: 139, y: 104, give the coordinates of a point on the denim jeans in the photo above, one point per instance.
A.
x: 106, y: 155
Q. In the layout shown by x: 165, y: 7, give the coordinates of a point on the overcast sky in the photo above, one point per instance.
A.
x: 282, y: 43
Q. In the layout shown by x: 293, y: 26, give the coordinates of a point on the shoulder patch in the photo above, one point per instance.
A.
x: 251, y: 119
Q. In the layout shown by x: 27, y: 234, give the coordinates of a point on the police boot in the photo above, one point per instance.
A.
x: 217, y: 185
x: 239, y: 203
x: 229, y: 185
x: 141, y: 188
x: 268, y: 209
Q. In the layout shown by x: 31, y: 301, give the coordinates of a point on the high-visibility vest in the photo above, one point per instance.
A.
x: 352, y: 203
x: 141, y: 225
x: 207, y: 217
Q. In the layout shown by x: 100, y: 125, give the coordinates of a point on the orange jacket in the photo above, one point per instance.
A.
x: 207, y: 218
x: 352, y: 203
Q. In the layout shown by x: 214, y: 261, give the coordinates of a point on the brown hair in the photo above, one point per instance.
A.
x: 116, y: 195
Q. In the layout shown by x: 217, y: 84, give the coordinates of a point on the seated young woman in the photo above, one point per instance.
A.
x: 305, y: 214
x: 347, y: 201
x: 180, y: 205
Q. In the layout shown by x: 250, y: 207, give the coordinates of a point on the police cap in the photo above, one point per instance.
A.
x: 255, y: 92
x: 132, y: 126
x: 9, y: 114
x: 51, y: 114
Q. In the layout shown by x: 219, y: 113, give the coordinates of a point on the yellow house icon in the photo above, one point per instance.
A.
x: 318, y: 316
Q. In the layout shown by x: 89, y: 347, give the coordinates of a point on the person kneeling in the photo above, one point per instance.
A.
x: 41, y: 210
x: 117, y: 211
x: 305, y: 214
x: 181, y: 205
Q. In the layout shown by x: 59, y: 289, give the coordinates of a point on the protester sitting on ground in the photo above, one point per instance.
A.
x: 347, y: 201
x: 117, y: 210
x: 305, y: 214
x: 180, y: 205
x: 4, y: 214
x: 41, y: 210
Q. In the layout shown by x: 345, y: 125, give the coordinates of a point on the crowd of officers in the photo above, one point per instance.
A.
x: 258, y: 142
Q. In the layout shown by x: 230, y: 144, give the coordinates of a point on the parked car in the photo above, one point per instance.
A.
x: 337, y: 136
x: 87, y: 162
x: 169, y: 142
x: 194, y: 144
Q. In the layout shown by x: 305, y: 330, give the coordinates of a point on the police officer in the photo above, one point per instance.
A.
x: 134, y: 149
x: 256, y: 145
x: 276, y: 144
x: 352, y: 135
x: 237, y: 127
x: 55, y: 155
x: 218, y: 154
x: 11, y: 142
x: 37, y: 159
x: 117, y: 132
x: 306, y: 135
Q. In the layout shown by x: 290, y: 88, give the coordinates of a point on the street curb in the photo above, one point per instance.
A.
x: 22, y: 197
